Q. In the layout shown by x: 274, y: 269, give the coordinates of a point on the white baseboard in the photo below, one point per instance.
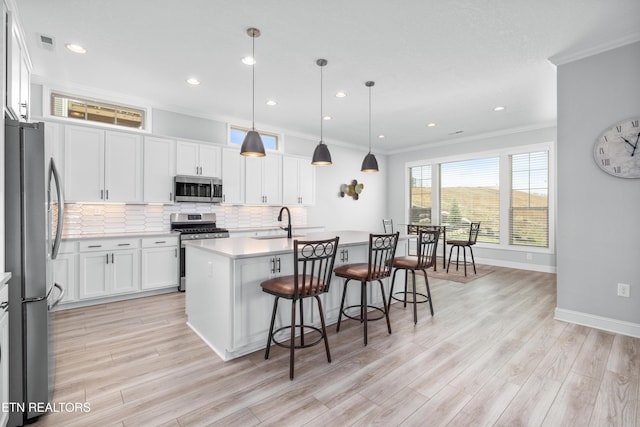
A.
x: 606, y: 324
x: 518, y: 265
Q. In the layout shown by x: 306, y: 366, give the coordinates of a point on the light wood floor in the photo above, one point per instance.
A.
x: 491, y: 355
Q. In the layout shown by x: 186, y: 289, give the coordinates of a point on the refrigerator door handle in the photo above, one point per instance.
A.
x: 60, y: 297
x: 53, y: 172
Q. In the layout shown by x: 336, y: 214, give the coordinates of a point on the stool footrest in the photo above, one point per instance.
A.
x: 358, y: 317
x: 424, y: 299
x: 302, y: 328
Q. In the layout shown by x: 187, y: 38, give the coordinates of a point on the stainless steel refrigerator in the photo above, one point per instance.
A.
x: 33, y: 198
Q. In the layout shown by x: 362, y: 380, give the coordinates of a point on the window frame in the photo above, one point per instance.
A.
x: 279, y: 137
x: 504, y: 189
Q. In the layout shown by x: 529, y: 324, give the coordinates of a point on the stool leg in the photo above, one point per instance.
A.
x: 324, y: 329
x: 415, y: 304
x: 393, y: 281
x: 464, y: 254
x: 426, y: 281
x: 473, y: 260
x: 449, y: 263
x: 292, y: 339
x: 344, y: 294
x: 363, y: 307
x: 301, y: 324
x: 406, y: 278
x: 273, y: 320
x: 386, y: 312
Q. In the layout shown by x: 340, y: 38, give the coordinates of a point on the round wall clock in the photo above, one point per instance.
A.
x: 617, y: 149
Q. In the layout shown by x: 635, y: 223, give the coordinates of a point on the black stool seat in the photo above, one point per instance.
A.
x: 474, y: 229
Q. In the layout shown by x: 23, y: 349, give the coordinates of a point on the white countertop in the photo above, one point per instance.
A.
x: 271, y: 227
x: 133, y: 234
x: 247, y: 247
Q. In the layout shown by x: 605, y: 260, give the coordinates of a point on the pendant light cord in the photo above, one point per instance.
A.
x: 253, y: 83
x: 321, y: 113
x: 369, y: 119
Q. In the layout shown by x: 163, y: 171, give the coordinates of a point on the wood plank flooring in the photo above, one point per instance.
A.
x: 491, y: 355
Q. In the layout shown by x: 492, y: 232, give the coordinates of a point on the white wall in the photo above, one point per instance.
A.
x: 598, y: 214
x: 396, y: 185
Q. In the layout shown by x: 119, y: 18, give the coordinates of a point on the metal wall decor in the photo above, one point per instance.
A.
x: 352, y: 190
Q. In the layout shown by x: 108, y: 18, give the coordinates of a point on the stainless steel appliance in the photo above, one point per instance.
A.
x: 29, y: 249
x: 194, y: 226
x: 197, y: 189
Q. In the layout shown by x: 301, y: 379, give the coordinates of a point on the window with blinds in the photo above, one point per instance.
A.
x: 529, y: 210
x: 74, y: 107
x: 420, y: 195
x: 271, y: 141
x: 470, y: 192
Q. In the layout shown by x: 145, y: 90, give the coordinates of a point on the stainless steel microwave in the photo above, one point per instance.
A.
x: 199, y: 189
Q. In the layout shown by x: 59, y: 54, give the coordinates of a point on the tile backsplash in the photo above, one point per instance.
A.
x: 116, y: 218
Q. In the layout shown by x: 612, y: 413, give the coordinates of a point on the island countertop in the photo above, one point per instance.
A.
x: 246, y: 247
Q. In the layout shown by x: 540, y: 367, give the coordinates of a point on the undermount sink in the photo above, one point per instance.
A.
x: 276, y: 237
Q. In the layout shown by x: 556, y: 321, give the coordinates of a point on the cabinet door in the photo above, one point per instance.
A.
x: 4, y: 366
x: 93, y: 274
x: 232, y: 174
x: 159, y: 170
x: 290, y: 195
x: 64, y: 273
x: 209, y: 157
x: 187, y: 158
x: 124, y: 275
x: 272, y: 179
x: 84, y: 164
x: 159, y: 267
x: 306, y: 182
x: 123, y: 167
x: 253, y: 193
x: 14, y: 60
x: 25, y: 85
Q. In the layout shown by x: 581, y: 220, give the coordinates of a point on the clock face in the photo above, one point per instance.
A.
x: 617, y: 150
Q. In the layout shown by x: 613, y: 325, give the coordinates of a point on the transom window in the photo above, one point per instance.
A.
x: 271, y: 141
x: 507, y: 193
x: 74, y: 107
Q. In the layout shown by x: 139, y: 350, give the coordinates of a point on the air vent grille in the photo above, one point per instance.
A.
x: 47, y: 42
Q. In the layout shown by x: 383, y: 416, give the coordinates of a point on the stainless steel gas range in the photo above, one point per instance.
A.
x: 194, y: 226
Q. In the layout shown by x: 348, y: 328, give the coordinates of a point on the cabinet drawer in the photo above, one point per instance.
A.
x: 109, y: 245
x: 67, y: 247
x: 153, y: 242
x: 4, y: 297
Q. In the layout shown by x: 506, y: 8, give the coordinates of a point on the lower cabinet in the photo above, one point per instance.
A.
x: 101, y: 268
x: 4, y: 353
x: 159, y: 263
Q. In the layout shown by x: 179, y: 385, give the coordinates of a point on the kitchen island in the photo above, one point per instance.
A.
x: 224, y: 301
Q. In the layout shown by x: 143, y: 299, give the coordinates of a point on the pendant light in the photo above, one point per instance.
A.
x: 321, y: 155
x: 369, y: 164
x: 252, y: 144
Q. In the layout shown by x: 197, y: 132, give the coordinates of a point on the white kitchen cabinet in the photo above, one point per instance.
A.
x: 193, y: 158
x: 263, y: 180
x: 298, y: 181
x: 4, y: 353
x: 18, y: 71
x: 232, y: 176
x: 159, y: 262
x: 108, y: 267
x: 65, y: 268
x: 159, y: 170
x: 102, y: 166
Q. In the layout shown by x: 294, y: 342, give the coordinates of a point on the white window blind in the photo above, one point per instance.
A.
x: 529, y: 221
x: 469, y: 192
x: 420, y: 195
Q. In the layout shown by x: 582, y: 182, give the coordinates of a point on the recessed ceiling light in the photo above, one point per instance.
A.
x: 499, y: 108
x: 381, y: 136
x: 340, y: 95
x: 327, y: 118
x: 431, y: 125
x: 248, y: 60
x: 193, y: 81
x: 76, y: 48
x: 271, y: 102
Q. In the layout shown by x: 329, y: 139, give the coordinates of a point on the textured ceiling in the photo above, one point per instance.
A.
x: 447, y: 62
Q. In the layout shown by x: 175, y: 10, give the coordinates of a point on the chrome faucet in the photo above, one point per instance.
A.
x: 288, y: 227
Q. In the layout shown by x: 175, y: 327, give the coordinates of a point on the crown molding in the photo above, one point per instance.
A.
x: 577, y: 54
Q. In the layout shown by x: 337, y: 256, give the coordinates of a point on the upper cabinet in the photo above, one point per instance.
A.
x: 193, y: 158
x: 102, y: 166
x: 263, y: 180
x: 232, y: 176
x: 298, y: 181
x: 18, y: 68
x: 159, y: 169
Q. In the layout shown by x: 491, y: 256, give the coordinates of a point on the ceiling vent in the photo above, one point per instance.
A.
x: 47, y: 42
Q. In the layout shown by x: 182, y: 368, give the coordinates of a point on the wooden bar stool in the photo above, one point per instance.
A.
x: 312, y: 270
x: 426, y: 258
x: 382, y: 249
